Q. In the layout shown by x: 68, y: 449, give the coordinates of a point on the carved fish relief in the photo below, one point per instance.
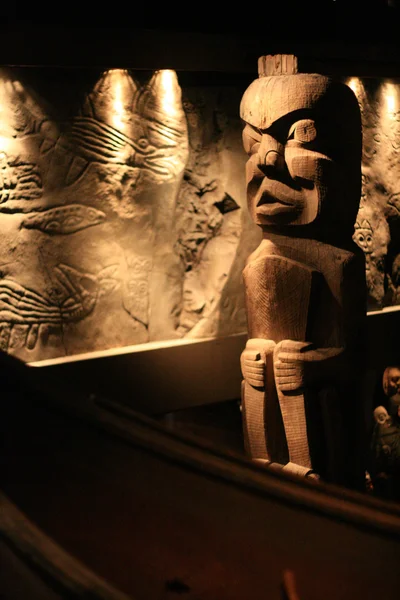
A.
x: 121, y: 124
x: 64, y: 219
x: 73, y: 297
x: 99, y: 142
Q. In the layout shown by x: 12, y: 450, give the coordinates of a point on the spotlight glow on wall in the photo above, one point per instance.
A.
x: 168, y: 91
x: 118, y: 107
x: 12, y: 118
x: 355, y: 84
x: 113, y: 95
x: 388, y: 113
x: 120, y: 94
x: 5, y: 116
x: 390, y: 98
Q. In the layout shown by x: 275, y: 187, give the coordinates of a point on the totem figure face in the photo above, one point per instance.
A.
x: 303, y: 137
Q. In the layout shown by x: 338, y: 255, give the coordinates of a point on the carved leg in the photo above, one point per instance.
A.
x: 255, y: 399
x: 253, y: 413
x: 294, y: 420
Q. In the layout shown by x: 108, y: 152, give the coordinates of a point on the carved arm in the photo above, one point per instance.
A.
x: 300, y: 364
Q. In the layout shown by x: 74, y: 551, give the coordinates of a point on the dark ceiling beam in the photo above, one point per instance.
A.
x: 232, y: 52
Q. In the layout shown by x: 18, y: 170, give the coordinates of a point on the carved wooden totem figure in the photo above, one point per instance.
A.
x: 305, y: 283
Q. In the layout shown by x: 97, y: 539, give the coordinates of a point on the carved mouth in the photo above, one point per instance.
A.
x: 274, y: 209
x: 267, y: 198
x: 270, y: 205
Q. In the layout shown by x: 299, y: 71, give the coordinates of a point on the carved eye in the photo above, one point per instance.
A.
x: 72, y: 221
x: 143, y: 142
x: 303, y: 131
x: 251, y: 139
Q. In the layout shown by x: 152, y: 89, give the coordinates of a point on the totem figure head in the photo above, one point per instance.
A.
x: 303, y: 137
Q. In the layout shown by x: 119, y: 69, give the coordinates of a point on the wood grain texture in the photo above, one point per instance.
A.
x: 278, y: 64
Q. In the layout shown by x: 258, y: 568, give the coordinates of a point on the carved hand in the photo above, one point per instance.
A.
x: 253, y: 360
x: 289, y: 362
x: 299, y: 363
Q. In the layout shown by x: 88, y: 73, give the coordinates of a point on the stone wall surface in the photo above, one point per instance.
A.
x: 123, y: 217
x: 377, y: 230
x: 120, y: 211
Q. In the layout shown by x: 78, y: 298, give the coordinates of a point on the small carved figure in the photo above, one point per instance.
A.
x: 305, y: 284
x: 391, y: 388
x: 385, y: 455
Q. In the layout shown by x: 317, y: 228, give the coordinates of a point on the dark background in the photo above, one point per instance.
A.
x: 360, y: 38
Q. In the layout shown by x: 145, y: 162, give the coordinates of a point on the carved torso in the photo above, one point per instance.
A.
x: 304, y: 289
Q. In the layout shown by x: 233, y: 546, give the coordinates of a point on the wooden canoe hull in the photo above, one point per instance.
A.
x: 156, y: 514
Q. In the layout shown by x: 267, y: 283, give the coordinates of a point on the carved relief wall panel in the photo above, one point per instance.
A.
x: 377, y: 229
x: 120, y: 220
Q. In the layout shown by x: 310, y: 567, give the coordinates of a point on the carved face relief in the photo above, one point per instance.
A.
x: 363, y: 236
x: 295, y: 156
x: 381, y: 416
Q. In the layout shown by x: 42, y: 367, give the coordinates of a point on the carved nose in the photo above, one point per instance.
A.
x: 271, y: 156
x: 273, y: 162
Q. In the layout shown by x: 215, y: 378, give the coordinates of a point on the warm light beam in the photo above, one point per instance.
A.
x: 357, y: 87
x: 390, y: 103
x: 118, y: 107
x: 113, y: 97
x: 354, y: 83
x: 168, y: 91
